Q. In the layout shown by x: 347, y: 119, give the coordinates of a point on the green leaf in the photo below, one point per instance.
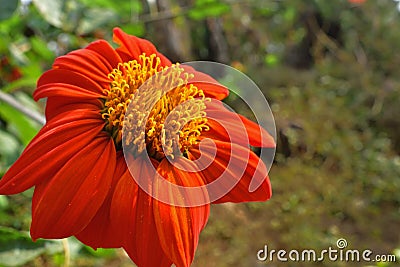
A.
x: 207, y: 8
x: 122, y: 7
x: 271, y: 60
x: 7, y: 8
x: 100, y: 252
x: 17, y: 248
x: 40, y: 47
x: 290, y: 14
x: 25, y: 129
x: 51, y: 10
x: 3, y: 202
x: 17, y: 84
x: 94, y: 19
x: 9, y: 149
x: 137, y: 29
x: 8, y: 143
x: 396, y: 252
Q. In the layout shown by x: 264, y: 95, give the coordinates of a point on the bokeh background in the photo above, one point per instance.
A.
x: 330, y: 70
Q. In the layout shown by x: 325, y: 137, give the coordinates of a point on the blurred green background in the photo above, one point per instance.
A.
x: 330, y: 70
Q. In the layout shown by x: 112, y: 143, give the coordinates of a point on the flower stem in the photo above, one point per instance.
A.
x: 67, y: 253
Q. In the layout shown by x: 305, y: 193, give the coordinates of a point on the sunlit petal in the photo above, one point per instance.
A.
x: 179, y: 227
x: 68, y: 202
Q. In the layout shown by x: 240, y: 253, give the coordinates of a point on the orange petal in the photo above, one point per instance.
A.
x: 100, y: 232
x: 132, y: 214
x: 58, y: 104
x: 86, y: 62
x: 51, y: 148
x: 66, y: 90
x: 143, y: 245
x: 68, y: 202
x: 234, y: 170
x: 123, y: 207
x: 179, y: 227
x: 61, y: 76
x: 131, y: 47
x: 106, y: 53
x: 209, y: 85
x: 232, y: 127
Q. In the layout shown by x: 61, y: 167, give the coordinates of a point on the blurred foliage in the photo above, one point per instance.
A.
x: 328, y: 68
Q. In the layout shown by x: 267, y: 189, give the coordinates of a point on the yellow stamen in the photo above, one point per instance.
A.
x: 166, y: 115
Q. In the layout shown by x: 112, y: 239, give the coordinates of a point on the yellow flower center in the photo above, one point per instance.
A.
x: 155, y: 106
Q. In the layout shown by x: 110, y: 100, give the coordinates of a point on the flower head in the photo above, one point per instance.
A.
x: 131, y: 144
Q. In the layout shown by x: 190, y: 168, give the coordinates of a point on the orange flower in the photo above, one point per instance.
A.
x: 93, y: 168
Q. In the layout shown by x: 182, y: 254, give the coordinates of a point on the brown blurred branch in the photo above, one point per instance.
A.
x: 164, y: 15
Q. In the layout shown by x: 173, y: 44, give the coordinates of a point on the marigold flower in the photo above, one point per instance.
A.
x: 88, y: 163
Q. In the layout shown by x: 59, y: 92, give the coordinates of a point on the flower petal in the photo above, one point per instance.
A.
x: 100, y: 232
x: 209, y: 85
x: 66, y: 90
x: 132, y: 214
x: 85, y: 62
x: 106, y: 53
x: 234, y: 170
x: 62, y: 76
x: 179, y: 227
x: 57, y: 105
x: 51, y: 148
x: 232, y: 127
x: 123, y: 207
x: 68, y: 202
x: 131, y: 47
